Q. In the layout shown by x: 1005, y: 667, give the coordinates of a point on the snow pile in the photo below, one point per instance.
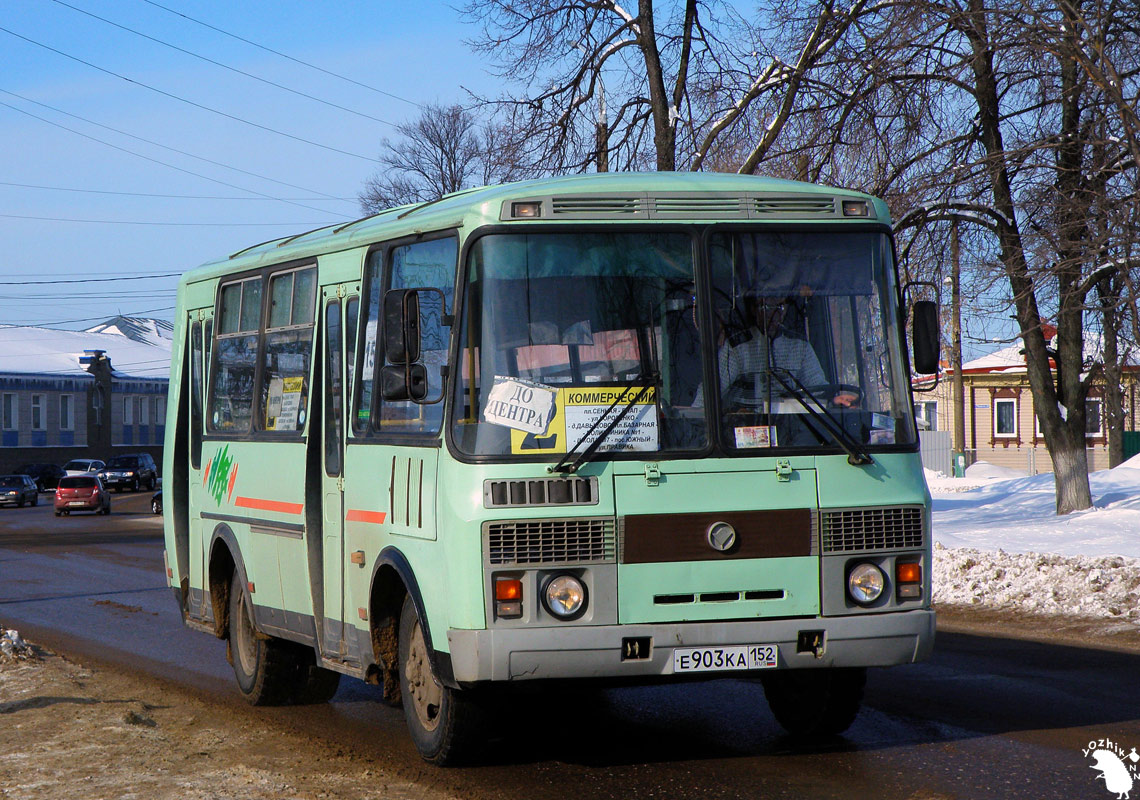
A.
x: 1002, y: 545
x: 13, y: 648
x: 1101, y: 587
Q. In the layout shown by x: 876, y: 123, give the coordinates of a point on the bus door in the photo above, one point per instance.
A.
x: 332, y: 636
x: 199, y: 324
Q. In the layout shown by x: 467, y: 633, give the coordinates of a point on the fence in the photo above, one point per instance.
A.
x: 936, y: 454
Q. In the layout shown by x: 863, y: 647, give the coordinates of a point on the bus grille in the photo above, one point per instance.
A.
x: 549, y: 541
x: 872, y: 529
x: 707, y: 205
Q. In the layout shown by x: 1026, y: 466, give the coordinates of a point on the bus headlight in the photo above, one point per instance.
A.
x: 865, y: 583
x: 564, y: 596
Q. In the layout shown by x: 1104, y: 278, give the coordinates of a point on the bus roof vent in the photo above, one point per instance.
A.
x: 701, y: 207
x: 808, y: 206
x: 601, y: 207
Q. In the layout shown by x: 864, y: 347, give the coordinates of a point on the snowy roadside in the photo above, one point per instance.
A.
x: 1000, y: 546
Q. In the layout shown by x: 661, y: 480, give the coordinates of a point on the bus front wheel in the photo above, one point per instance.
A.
x: 440, y: 719
x: 813, y: 703
x: 265, y: 668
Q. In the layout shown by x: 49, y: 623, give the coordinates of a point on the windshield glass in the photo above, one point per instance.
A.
x: 806, y: 318
x: 123, y: 461
x: 559, y: 326
x: 11, y: 483
x: 77, y: 465
x: 76, y: 482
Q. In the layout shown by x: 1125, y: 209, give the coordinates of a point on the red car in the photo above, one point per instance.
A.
x: 82, y: 493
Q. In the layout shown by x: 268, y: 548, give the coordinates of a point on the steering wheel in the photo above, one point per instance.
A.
x: 832, y: 391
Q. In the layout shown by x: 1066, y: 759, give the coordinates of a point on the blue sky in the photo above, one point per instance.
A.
x: 127, y: 202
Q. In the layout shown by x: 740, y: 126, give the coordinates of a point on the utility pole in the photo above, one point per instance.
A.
x: 957, y: 384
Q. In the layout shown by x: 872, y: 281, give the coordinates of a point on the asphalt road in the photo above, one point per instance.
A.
x: 986, y: 717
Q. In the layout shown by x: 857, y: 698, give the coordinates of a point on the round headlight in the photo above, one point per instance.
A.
x: 865, y: 583
x: 565, y: 596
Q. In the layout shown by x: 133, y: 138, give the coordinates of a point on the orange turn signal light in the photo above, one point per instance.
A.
x: 508, y: 589
x: 908, y: 573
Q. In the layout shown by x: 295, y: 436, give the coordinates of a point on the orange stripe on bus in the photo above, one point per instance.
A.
x: 268, y: 505
x: 357, y: 515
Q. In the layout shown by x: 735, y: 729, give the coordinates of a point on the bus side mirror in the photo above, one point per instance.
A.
x: 402, y: 326
x: 924, y: 332
x: 403, y: 382
x: 404, y: 376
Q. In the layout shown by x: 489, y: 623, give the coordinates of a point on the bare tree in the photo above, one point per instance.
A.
x: 444, y: 150
x: 663, y: 87
x: 996, y: 114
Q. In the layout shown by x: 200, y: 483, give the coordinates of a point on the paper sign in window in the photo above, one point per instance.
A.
x: 521, y: 405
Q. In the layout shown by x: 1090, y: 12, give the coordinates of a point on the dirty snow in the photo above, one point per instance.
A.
x: 1000, y: 544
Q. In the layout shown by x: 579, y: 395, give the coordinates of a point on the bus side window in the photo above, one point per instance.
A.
x: 431, y: 264
x: 333, y: 393
x: 288, y: 348
x: 196, y: 396
x: 231, y: 382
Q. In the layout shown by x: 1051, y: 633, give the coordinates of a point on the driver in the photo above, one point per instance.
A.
x: 744, y: 357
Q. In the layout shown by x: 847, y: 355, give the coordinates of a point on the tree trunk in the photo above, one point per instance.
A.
x: 1071, y: 475
x: 664, y: 136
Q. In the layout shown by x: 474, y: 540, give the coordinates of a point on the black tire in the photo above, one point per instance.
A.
x: 58, y: 513
x: 105, y: 511
x: 135, y: 485
x: 315, y: 684
x: 815, y: 703
x: 443, y: 722
x: 155, y: 508
x: 265, y: 668
x: 151, y: 484
x: 20, y: 502
x: 35, y: 500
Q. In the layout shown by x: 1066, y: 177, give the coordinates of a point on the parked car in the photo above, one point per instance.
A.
x: 18, y: 490
x: 134, y: 470
x: 82, y: 493
x: 156, y: 502
x: 83, y: 466
x: 46, y: 476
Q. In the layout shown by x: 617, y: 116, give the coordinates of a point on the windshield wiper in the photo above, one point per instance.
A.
x: 856, y: 455
x: 631, y: 401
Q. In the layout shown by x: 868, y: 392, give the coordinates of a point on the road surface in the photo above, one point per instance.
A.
x: 986, y: 717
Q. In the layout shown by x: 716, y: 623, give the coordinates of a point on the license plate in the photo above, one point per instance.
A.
x: 78, y: 503
x: 733, y: 657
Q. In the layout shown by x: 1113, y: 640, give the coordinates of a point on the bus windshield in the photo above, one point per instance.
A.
x: 562, y: 332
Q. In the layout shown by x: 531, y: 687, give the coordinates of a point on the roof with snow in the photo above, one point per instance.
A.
x: 47, y: 351
x: 139, y: 329
x: 1012, y: 358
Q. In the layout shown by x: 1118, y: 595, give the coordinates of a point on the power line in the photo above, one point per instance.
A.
x: 85, y: 319
x: 171, y: 149
x: 162, y: 196
x: 157, y: 161
x: 173, y: 224
x: 190, y: 102
x: 224, y: 66
x: 94, y: 280
x: 282, y: 55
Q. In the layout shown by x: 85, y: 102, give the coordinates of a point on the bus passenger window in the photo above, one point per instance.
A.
x: 288, y: 348
x: 239, y: 317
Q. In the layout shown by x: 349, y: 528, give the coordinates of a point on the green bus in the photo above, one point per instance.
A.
x: 620, y: 428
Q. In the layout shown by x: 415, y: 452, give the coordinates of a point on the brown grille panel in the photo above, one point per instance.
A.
x: 872, y: 529
x: 550, y: 541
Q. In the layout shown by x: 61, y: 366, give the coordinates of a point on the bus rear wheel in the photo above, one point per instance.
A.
x: 441, y: 720
x: 265, y: 667
x: 815, y: 703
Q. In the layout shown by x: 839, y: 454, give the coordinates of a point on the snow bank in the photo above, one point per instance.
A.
x: 1105, y: 587
x: 1001, y: 544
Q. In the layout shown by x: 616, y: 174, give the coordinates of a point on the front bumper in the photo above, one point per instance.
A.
x: 866, y: 640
